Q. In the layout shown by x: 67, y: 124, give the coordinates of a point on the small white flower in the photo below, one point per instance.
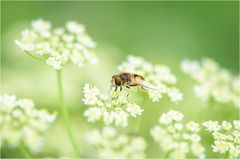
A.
x: 42, y: 48
x: 155, y: 95
x: 138, y: 144
x: 87, y: 41
x: 109, y: 132
x: 8, y: 102
x: 94, y: 137
x: 193, y: 126
x: 75, y: 27
x: 175, y: 115
x: 155, y: 133
x: 22, y: 122
x: 198, y: 149
x: 134, y: 109
x: 190, y: 67
x: 195, y: 138
x: 226, y: 125
x: 178, y: 126
x: 93, y: 114
x: 55, y: 62
x: 58, y: 46
x: 108, y: 143
x: 226, y: 139
x: 113, y: 109
x: 221, y: 146
x: 213, y: 82
x: 164, y: 119
x: 108, y: 117
x: 40, y: 25
x: 175, y: 138
x: 120, y: 118
x: 29, y: 47
x: 212, y: 126
x: 174, y: 95
x: 236, y: 124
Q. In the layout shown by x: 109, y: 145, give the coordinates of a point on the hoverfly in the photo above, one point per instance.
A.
x: 129, y: 80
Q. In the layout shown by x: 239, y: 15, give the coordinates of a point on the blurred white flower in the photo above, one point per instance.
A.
x: 75, y: 27
x: 22, y: 122
x: 158, y: 76
x: 212, y: 126
x: 212, y: 81
x: 55, y: 62
x: 174, y: 94
x: 226, y: 137
x: 112, y: 109
x: 177, y: 139
x: 226, y: 125
x: 170, y: 117
x: 93, y: 114
x: 236, y: 124
x: 193, y: 126
x: 108, y: 143
x: 134, y: 109
x: 58, y: 46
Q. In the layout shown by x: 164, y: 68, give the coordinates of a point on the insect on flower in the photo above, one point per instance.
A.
x: 129, y: 80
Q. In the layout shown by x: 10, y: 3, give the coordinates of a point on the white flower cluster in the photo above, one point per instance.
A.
x: 213, y: 82
x: 111, y: 109
x: 176, y: 139
x: 226, y: 137
x: 22, y: 123
x: 158, y: 76
x: 57, y: 46
x: 110, y: 144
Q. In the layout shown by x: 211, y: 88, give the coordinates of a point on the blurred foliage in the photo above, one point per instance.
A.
x: 161, y: 32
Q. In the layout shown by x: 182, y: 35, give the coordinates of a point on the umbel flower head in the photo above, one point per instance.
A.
x: 22, y: 123
x: 226, y: 137
x: 158, y: 76
x: 213, y: 82
x: 108, y: 143
x: 111, y: 109
x: 58, y: 46
x: 177, y: 139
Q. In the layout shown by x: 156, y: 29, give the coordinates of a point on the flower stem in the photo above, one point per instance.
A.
x: 24, y: 151
x: 139, y: 119
x: 33, y: 56
x: 64, y: 112
x: 138, y: 124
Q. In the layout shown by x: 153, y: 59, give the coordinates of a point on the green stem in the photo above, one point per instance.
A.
x: 35, y: 57
x: 64, y: 112
x: 140, y: 118
x: 24, y: 151
x: 138, y: 124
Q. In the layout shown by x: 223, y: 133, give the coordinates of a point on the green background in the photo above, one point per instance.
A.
x: 161, y: 32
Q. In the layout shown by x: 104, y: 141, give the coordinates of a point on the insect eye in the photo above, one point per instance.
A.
x: 118, y: 81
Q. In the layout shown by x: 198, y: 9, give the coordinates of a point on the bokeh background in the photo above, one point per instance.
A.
x: 161, y: 32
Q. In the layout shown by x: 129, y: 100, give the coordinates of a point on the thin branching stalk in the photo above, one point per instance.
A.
x: 138, y: 124
x: 64, y: 112
x: 137, y: 128
x: 24, y: 150
x: 35, y: 57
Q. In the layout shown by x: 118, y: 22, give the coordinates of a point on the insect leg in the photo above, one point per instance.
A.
x: 127, y: 97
